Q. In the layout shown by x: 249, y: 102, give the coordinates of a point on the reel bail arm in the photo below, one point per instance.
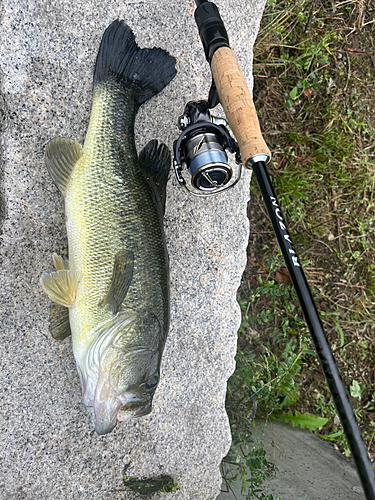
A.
x: 202, y: 147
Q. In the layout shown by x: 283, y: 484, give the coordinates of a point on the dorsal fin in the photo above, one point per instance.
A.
x: 155, y: 162
x: 60, y: 157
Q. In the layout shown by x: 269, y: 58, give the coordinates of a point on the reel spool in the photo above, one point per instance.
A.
x: 202, y: 147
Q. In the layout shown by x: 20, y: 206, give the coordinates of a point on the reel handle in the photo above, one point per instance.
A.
x: 238, y: 105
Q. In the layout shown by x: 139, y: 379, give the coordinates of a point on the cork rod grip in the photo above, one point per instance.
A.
x: 237, y: 104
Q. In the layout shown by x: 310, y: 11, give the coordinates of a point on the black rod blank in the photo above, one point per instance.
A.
x: 323, y: 350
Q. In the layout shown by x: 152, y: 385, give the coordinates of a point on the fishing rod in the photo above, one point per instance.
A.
x: 202, y: 148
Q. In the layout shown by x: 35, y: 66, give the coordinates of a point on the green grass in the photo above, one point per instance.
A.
x: 246, y: 461
x: 314, y: 71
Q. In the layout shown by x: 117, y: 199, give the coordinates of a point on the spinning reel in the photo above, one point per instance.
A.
x: 202, y: 148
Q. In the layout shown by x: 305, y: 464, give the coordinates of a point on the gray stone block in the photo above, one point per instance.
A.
x: 48, y: 446
x: 308, y: 467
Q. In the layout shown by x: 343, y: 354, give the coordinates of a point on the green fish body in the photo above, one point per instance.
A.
x: 114, y: 298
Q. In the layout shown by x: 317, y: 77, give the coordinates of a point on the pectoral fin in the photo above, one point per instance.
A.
x: 60, y: 157
x: 61, y: 286
x: 121, y: 279
x: 59, y: 322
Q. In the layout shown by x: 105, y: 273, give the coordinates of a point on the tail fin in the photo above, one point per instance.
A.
x: 120, y: 59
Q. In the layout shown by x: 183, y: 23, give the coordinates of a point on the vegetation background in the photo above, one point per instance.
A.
x: 314, y: 89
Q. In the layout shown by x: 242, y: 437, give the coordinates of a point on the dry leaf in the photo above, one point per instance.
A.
x: 282, y: 277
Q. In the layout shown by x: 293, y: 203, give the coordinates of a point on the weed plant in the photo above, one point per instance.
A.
x: 314, y: 88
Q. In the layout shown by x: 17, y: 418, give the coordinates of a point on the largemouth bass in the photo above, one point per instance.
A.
x: 114, y: 297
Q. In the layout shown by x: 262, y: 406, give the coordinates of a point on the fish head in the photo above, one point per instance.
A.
x: 120, y: 370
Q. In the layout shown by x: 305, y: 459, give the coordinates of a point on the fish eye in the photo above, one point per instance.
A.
x: 152, y: 382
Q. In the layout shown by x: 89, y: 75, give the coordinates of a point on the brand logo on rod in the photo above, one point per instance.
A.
x: 286, y: 235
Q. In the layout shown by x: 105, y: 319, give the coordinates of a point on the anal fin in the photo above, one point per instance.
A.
x: 121, y: 278
x: 59, y: 325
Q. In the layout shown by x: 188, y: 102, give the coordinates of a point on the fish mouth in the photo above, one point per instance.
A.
x: 106, y: 406
x: 106, y: 414
x: 99, y: 416
x: 134, y: 409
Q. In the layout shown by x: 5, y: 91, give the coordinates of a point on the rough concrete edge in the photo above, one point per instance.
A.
x: 3, y: 116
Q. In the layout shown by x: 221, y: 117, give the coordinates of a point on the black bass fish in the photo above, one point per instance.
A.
x: 114, y: 297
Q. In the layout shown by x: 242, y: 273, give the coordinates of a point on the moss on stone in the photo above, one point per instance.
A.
x: 164, y: 484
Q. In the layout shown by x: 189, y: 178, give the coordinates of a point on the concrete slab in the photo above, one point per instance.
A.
x: 308, y: 467
x: 48, y: 446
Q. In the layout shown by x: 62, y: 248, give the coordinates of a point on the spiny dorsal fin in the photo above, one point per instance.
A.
x: 121, y: 279
x: 61, y: 286
x: 60, y: 157
x: 59, y: 326
x: 155, y: 162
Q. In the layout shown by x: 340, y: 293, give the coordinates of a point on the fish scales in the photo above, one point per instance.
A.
x: 114, y: 297
x: 100, y: 199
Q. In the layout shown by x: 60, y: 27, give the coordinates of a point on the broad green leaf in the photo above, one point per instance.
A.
x: 293, y: 93
x: 355, y: 390
x: 306, y: 421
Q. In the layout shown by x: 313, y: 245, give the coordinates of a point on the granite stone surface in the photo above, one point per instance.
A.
x: 48, y: 448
